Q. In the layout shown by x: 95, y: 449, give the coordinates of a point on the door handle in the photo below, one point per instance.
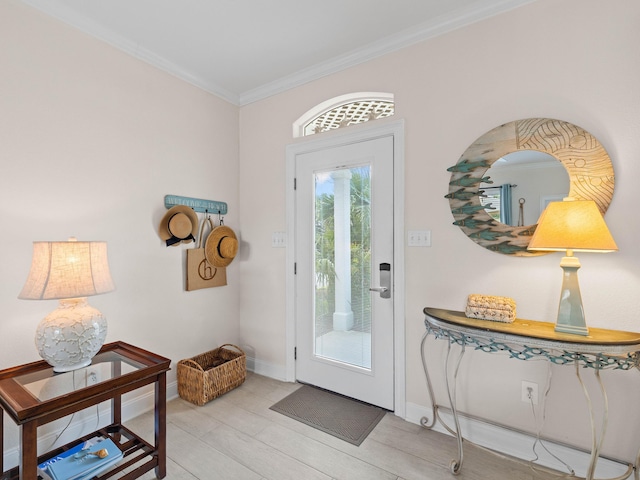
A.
x: 385, y: 281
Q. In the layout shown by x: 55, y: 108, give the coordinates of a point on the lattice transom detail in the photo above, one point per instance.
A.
x: 349, y: 114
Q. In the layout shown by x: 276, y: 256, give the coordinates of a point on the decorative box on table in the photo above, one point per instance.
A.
x: 211, y: 374
x: 488, y: 307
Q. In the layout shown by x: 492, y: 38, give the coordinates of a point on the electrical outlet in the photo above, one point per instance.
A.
x: 529, y: 392
x: 92, y: 377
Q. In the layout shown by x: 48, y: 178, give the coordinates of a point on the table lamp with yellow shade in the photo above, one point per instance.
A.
x: 572, y: 226
x: 71, y: 335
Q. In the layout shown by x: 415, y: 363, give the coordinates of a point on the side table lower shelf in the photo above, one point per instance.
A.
x: 139, y: 456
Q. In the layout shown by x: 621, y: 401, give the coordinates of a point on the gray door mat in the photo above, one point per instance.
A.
x: 347, y: 419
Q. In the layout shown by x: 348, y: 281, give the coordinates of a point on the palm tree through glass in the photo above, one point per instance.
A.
x: 342, y: 268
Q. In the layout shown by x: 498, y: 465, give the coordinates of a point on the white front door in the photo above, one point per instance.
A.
x: 344, y: 247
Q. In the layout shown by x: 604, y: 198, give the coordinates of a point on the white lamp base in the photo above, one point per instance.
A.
x: 70, y: 336
x: 570, y: 311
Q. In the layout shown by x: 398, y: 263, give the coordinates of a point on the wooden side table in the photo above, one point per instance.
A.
x: 529, y: 340
x: 33, y: 395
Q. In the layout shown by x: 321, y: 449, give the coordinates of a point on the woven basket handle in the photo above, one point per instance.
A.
x: 234, y: 346
x: 190, y: 362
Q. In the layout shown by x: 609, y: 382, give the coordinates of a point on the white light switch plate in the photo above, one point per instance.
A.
x: 279, y: 239
x: 419, y: 238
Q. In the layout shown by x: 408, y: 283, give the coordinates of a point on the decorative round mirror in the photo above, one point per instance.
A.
x: 540, y: 154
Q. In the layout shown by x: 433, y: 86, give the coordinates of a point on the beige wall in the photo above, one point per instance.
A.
x: 91, y: 142
x: 573, y: 60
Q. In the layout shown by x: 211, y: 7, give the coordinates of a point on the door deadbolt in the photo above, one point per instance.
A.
x: 385, y: 281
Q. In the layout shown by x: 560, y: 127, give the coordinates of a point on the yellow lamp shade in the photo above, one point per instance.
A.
x: 574, y: 225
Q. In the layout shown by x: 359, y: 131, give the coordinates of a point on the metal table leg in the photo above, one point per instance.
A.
x: 424, y: 421
x: 595, y: 444
x: 456, y: 464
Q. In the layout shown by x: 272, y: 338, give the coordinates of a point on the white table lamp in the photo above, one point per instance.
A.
x: 71, y: 335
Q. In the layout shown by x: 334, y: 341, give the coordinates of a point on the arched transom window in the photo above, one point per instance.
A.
x: 343, y: 111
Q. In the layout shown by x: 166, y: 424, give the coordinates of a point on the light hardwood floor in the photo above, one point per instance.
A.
x: 237, y: 437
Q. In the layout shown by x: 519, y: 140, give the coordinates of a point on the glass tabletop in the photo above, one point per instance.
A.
x: 46, y: 384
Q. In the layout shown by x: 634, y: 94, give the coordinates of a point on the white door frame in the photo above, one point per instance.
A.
x: 352, y: 135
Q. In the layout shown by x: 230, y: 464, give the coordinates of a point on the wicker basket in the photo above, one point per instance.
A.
x: 209, y: 375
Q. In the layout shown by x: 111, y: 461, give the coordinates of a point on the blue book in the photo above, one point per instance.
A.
x: 43, y: 468
x: 87, y: 466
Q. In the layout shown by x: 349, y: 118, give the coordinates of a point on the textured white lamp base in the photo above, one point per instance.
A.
x: 70, y: 336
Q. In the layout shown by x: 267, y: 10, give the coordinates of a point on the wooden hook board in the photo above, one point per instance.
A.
x: 198, y: 204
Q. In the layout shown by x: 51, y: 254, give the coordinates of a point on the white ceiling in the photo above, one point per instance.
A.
x: 245, y: 50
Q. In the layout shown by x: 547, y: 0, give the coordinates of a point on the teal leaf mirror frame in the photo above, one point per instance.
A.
x: 589, y: 167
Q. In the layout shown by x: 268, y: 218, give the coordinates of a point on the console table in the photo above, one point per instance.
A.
x: 34, y: 395
x: 526, y: 340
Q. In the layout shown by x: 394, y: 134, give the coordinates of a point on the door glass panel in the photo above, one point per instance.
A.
x: 342, y: 267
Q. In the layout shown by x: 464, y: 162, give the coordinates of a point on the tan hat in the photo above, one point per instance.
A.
x: 179, y: 225
x: 221, y: 246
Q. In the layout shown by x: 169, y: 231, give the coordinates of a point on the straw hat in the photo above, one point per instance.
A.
x: 221, y: 246
x: 179, y: 225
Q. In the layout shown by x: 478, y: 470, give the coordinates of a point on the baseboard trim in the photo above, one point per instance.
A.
x: 518, y: 444
x: 499, y: 438
x: 266, y: 369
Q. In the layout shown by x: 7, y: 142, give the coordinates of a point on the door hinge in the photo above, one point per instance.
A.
x: 295, y: 183
x: 295, y: 353
x: 295, y: 268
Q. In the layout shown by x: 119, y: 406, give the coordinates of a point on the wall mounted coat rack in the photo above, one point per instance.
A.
x: 198, y: 204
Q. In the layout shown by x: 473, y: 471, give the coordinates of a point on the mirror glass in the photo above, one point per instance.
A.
x: 524, y: 182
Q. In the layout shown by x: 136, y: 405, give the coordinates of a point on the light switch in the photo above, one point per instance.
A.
x: 419, y: 238
x: 279, y: 239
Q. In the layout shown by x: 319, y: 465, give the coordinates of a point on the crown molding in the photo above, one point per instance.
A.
x: 478, y: 11
x: 438, y: 26
x: 93, y: 29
